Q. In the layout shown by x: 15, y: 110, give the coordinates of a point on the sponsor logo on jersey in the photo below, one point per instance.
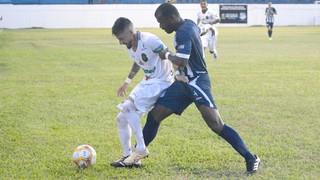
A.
x: 149, y: 71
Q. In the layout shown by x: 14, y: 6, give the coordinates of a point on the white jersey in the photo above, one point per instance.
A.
x: 158, y: 73
x: 147, y: 57
x: 204, y: 24
x: 207, y: 17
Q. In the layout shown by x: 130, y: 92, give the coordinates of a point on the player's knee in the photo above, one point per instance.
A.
x: 127, y: 106
x: 216, y: 126
x: 121, y: 120
x: 159, y: 113
x: 214, y: 121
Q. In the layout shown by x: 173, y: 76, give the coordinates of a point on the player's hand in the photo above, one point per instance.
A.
x: 182, y: 78
x: 204, y: 32
x: 122, y: 90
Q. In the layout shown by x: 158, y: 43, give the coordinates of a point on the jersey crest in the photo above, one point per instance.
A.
x: 144, y: 57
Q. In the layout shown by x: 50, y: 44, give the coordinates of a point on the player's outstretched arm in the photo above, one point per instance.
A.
x: 123, y: 88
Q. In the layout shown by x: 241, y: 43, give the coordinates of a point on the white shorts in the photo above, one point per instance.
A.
x: 207, y: 37
x: 146, y: 93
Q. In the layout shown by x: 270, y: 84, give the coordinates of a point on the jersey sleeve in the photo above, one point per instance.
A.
x: 183, y: 44
x: 155, y: 44
x: 274, y: 10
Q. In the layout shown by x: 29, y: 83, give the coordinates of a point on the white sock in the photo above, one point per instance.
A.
x: 124, y: 134
x: 134, y: 122
x: 212, y: 44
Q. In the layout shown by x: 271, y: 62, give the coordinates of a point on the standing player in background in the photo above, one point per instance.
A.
x: 270, y: 12
x: 195, y: 89
x: 144, y: 49
x: 209, y: 33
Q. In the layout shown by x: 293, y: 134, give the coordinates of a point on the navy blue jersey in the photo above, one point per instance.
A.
x: 188, y: 45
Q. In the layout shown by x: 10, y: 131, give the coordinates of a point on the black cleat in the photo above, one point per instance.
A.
x: 120, y: 164
x: 253, y: 165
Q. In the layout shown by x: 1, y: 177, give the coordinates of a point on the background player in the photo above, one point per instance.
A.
x: 144, y: 49
x: 209, y: 33
x: 270, y: 12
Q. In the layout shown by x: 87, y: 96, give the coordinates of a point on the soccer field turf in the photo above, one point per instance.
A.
x: 58, y: 90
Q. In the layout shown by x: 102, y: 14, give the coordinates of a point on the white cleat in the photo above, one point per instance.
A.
x: 120, y: 163
x: 135, y: 157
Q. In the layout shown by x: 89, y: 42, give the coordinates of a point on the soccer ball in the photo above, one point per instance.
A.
x: 84, y: 156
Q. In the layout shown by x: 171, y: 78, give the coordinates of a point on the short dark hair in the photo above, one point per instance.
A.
x: 120, y: 25
x: 166, y: 10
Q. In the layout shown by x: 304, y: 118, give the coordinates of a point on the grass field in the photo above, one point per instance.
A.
x: 58, y: 90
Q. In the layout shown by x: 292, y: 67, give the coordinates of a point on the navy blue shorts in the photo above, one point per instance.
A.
x: 270, y: 24
x: 180, y: 95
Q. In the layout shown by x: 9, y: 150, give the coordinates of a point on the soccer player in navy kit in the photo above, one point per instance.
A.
x: 195, y: 88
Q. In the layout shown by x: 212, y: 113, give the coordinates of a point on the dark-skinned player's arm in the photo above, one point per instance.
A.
x: 123, y: 88
x: 178, y: 64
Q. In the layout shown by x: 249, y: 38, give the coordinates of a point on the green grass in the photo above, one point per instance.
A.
x: 58, y: 90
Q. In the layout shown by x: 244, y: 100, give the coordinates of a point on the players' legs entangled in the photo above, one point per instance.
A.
x: 155, y: 116
x: 150, y: 131
x: 125, y: 140
x: 129, y: 119
x: 133, y: 117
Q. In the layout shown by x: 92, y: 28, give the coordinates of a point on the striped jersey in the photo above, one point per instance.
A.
x: 270, y: 12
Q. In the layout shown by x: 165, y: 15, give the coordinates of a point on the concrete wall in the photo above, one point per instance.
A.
x: 102, y: 16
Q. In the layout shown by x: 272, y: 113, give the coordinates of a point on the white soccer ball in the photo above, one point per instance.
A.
x: 84, y: 156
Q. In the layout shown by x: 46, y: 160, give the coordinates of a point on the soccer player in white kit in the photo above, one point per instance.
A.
x: 144, y: 49
x: 209, y: 33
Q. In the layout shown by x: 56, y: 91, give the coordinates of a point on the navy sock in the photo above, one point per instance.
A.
x: 233, y: 138
x: 150, y: 129
x: 269, y: 33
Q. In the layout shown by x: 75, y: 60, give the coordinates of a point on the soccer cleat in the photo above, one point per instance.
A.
x: 270, y: 38
x: 120, y: 163
x: 135, y: 157
x: 253, y: 165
